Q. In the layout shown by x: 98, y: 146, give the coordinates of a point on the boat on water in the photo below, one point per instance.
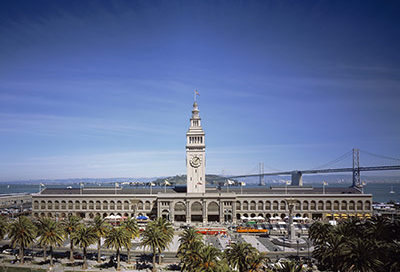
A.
x: 391, y: 191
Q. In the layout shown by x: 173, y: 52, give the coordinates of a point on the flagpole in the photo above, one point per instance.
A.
x: 323, y: 187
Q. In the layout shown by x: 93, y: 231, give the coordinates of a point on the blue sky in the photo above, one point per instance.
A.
x: 105, y: 88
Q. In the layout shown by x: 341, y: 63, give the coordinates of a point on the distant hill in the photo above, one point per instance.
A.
x: 181, y: 179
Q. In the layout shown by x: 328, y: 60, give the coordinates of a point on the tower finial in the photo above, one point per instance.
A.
x: 196, y: 93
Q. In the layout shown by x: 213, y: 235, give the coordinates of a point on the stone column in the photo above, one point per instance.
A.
x: 234, y: 211
x: 158, y: 208
x: 221, y: 211
x: 172, y: 211
x: 205, y: 219
x: 188, y: 214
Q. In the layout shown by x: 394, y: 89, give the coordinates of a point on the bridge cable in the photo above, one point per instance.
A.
x: 341, y: 158
x: 380, y: 156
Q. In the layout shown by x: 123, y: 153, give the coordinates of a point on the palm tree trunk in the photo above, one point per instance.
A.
x: 71, y: 249
x: 129, y: 255
x: 51, y: 256
x: 45, y: 253
x: 159, y: 257
x: 118, y: 259
x: 84, y: 266
x: 154, y: 260
x: 21, y: 253
x: 98, y: 249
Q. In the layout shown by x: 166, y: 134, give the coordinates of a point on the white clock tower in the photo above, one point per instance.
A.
x: 195, y: 154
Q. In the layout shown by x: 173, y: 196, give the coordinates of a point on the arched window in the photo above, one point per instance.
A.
x: 275, y: 205
x: 305, y: 205
x: 49, y: 205
x: 105, y: 205
x: 119, y: 205
x: 359, y: 205
x: 336, y: 205
x: 147, y: 205
x: 77, y: 205
x: 213, y: 207
x: 140, y: 205
x: 91, y: 205
x: 260, y: 206
x: 343, y: 207
x: 297, y: 205
x: 126, y: 205
x: 180, y: 207
x: 320, y: 205
x: 313, y: 205
x: 238, y: 205
x: 245, y: 205
x: 268, y: 205
x: 98, y: 205
x: 253, y: 205
x: 112, y: 205
x: 328, y: 205
x: 283, y: 205
x: 197, y: 207
x: 351, y: 205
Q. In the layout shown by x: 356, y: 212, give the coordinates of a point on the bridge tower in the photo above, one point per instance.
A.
x: 356, y: 168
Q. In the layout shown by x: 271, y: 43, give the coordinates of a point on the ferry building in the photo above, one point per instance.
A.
x: 200, y: 204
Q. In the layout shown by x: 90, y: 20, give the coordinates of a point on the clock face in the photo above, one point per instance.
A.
x: 195, y: 162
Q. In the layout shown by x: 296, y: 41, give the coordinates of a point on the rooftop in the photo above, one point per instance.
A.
x: 181, y: 190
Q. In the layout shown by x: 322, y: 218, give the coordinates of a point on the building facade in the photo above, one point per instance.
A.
x: 200, y: 204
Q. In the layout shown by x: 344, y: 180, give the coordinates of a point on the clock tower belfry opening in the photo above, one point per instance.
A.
x: 195, y: 154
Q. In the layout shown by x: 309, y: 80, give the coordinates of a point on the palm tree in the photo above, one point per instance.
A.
x: 319, y: 231
x: 3, y: 227
x: 168, y: 232
x: 117, y: 238
x: 41, y: 225
x: 209, y: 259
x: 331, y: 253
x: 189, y: 255
x: 84, y: 236
x: 256, y: 262
x: 288, y: 266
x: 156, y: 239
x: 51, y: 234
x: 22, y: 233
x: 239, y: 255
x: 100, y: 227
x: 132, y: 228
x: 361, y: 256
x: 70, y: 225
x: 188, y: 237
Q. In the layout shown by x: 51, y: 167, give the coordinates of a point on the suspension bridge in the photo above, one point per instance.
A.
x: 356, y: 169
